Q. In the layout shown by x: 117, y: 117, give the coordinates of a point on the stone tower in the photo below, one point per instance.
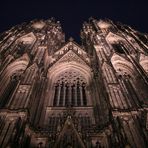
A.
x: 57, y: 94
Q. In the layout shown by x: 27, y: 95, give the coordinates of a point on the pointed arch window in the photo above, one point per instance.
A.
x: 132, y: 94
x: 9, y: 90
x: 70, y: 90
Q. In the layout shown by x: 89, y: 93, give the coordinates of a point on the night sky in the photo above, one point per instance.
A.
x: 73, y: 13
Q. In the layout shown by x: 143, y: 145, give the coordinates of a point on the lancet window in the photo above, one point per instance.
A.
x: 127, y: 83
x: 70, y: 90
x: 9, y: 90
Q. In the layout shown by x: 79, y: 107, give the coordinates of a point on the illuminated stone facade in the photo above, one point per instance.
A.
x: 57, y: 94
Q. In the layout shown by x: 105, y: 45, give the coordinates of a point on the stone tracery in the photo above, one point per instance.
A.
x: 70, y: 87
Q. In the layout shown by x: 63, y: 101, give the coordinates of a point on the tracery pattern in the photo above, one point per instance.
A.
x: 70, y: 90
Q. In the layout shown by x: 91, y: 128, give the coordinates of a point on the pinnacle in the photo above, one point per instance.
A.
x: 71, y: 39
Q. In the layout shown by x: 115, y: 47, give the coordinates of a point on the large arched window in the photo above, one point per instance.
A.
x: 127, y: 79
x: 5, y: 97
x: 10, y: 78
x: 119, y: 44
x: 70, y: 90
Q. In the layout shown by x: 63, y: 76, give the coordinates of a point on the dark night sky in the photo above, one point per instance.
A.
x: 73, y: 13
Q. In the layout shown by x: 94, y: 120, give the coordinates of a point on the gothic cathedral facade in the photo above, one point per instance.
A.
x: 57, y: 94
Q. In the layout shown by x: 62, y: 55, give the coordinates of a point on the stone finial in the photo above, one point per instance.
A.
x: 71, y: 39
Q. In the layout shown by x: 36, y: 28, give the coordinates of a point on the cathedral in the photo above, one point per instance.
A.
x: 59, y: 94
